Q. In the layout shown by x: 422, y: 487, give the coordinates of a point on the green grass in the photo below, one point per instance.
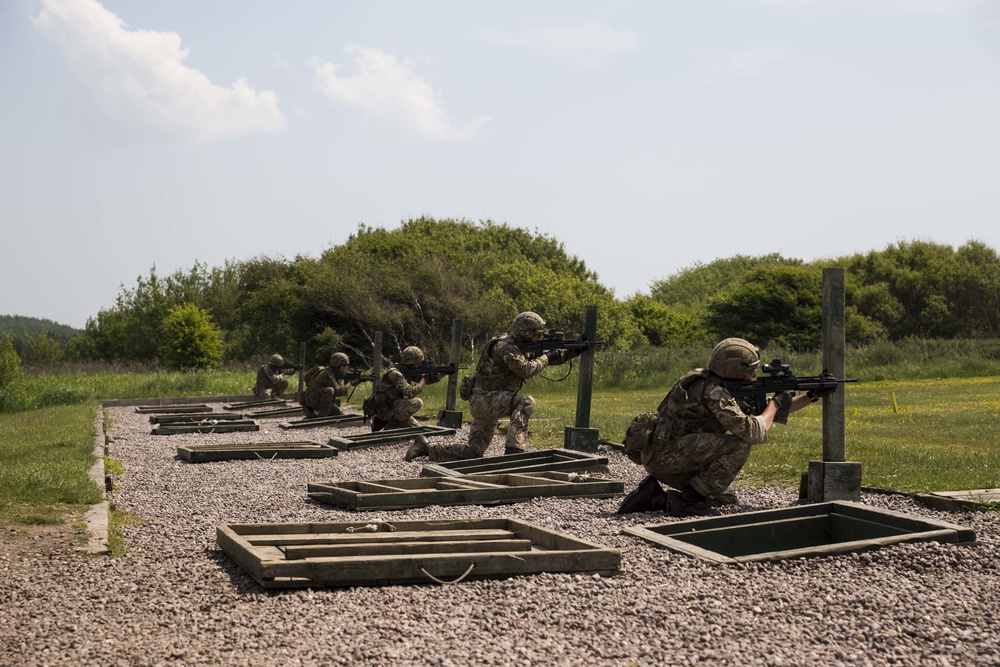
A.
x: 44, y: 458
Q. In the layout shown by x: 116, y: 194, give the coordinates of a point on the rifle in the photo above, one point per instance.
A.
x: 355, y: 376
x: 284, y: 368
x: 428, y: 370
x: 779, y: 377
x: 556, y: 340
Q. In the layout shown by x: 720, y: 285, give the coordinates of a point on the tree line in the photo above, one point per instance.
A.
x: 413, y: 282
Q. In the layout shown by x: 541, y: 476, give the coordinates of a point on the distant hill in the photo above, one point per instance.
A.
x: 18, y: 326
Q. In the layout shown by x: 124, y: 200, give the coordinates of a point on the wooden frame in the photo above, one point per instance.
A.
x: 406, y: 552
x: 206, y: 426
x: 389, y: 436
x: 803, y: 530
x: 540, y: 460
x: 275, y: 412
x: 173, y: 409
x: 316, y: 422
x: 195, y: 418
x: 391, y: 494
x: 960, y: 501
x: 259, y: 450
x: 255, y: 404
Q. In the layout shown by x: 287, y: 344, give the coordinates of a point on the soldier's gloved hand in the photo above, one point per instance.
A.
x: 816, y: 394
x: 554, y: 356
x: 782, y: 400
x: 574, y: 352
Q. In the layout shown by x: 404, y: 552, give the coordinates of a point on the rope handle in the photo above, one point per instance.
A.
x: 439, y: 581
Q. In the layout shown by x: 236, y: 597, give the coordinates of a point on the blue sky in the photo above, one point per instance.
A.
x: 645, y: 136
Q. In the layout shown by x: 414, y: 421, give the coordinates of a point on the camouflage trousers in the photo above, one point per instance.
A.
x: 707, y: 462
x: 277, y: 387
x: 400, y: 414
x: 487, y: 409
x: 322, y: 402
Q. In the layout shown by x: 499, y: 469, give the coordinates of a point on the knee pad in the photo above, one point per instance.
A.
x: 527, y: 405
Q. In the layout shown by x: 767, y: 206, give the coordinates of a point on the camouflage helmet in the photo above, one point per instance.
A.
x: 411, y: 356
x: 276, y: 360
x: 733, y: 358
x: 339, y: 359
x: 528, y: 324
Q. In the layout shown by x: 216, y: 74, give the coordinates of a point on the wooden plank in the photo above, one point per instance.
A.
x: 195, y: 418
x: 536, y: 461
x: 203, y: 427
x: 254, y: 451
x: 255, y: 404
x: 173, y: 409
x: 277, y: 412
x: 378, y: 538
x: 419, y: 547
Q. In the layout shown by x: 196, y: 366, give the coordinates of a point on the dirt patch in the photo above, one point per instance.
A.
x: 32, y: 541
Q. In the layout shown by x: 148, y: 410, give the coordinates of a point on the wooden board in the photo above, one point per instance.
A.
x: 173, y: 409
x: 316, y: 422
x: 256, y: 450
x: 960, y: 501
x: 206, y: 427
x: 406, y: 552
x: 388, y: 437
x: 862, y: 526
x: 276, y: 412
x: 194, y: 418
x: 533, y: 461
x: 272, y: 402
x: 391, y: 494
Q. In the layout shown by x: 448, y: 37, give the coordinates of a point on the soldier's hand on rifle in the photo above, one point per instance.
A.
x: 782, y: 401
x: 816, y: 394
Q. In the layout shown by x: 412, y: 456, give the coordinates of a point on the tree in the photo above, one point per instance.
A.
x: 42, y: 348
x: 10, y: 363
x: 191, y: 338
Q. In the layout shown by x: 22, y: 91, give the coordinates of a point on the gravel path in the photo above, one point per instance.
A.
x: 176, y: 598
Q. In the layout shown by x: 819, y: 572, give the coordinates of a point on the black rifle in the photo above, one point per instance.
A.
x: 355, y: 376
x: 284, y: 368
x: 779, y: 377
x: 556, y: 340
x: 426, y: 369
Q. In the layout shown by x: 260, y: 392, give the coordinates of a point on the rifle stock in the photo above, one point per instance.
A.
x: 779, y: 377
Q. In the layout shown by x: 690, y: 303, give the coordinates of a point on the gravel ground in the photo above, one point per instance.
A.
x: 176, y: 598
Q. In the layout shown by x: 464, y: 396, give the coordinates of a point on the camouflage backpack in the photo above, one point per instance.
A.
x: 638, y: 434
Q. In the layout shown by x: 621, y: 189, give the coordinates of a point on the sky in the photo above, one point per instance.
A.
x: 645, y: 136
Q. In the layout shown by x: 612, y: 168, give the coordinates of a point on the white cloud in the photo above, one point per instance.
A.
x: 392, y: 90
x: 140, y: 76
x: 567, y: 41
x: 751, y: 62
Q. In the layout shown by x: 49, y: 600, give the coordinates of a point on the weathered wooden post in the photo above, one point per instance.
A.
x: 580, y: 436
x: 451, y: 417
x: 377, y: 357
x: 834, y: 478
x: 302, y: 372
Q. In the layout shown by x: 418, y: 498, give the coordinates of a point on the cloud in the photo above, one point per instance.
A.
x: 751, y: 62
x: 139, y: 76
x: 392, y: 90
x: 567, y: 41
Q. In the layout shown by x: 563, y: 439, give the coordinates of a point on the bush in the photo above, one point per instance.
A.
x: 192, y: 339
x: 10, y: 363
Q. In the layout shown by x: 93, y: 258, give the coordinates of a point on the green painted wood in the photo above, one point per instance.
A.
x: 389, y: 437
x: 172, y: 409
x: 316, y: 422
x: 255, y: 404
x: 534, y: 461
x: 468, y: 490
x: 450, y: 554
x: 206, y: 427
x: 255, y: 451
x: 276, y: 412
x: 195, y: 418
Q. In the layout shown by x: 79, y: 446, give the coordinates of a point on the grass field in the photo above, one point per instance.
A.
x: 939, y: 434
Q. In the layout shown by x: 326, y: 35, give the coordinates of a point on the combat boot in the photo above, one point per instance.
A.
x: 726, y: 497
x: 513, y: 450
x: 417, y: 449
x: 688, y: 503
x: 377, y: 424
x: 649, y: 496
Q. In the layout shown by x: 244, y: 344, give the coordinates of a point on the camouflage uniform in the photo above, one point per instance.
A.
x: 401, y: 401
x: 322, y: 389
x: 502, y: 370
x: 269, y: 378
x: 702, y: 437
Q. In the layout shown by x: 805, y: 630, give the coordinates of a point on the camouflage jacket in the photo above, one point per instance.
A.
x: 326, y: 378
x: 503, y: 367
x: 395, y: 386
x: 700, y: 403
x: 267, y: 375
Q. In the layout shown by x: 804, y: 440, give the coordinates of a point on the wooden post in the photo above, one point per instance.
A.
x: 580, y: 436
x: 834, y: 478
x: 377, y: 357
x: 449, y: 416
x: 302, y: 372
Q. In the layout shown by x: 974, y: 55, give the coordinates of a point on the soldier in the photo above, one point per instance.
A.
x: 500, y: 374
x: 394, y: 398
x: 323, y: 386
x: 702, y: 435
x: 270, y: 378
